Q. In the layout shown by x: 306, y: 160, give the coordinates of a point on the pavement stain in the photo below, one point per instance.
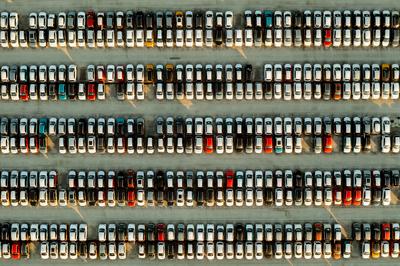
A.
x: 186, y: 103
x: 66, y: 52
x: 241, y: 52
x: 344, y: 232
x: 382, y: 102
x: 75, y: 208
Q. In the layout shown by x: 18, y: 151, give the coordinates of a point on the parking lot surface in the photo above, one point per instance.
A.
x: 150, y: 109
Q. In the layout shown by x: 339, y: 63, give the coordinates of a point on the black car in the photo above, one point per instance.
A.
x: 5, y: 232
x: 82, y: 127
x: 200, y: 197
x: 121, y: 231
x: 120, y: 91
x: 386, y: 178
x: 268, y: 90
x: 356, y: 231
x: 179, y: 88
x: 395, y: 21
x: 258, y: 36
x: 43, y: 144
x: 218, y: 36
x: 198, y: 20
x: 72, y: 88
x: 170, y: 197
x: 328, y: 233
x: 269, y: 196
x: 160, y: 198
x: 189, y: 144
x: 83, y: 248
x: 33, y: 197
x: 170, y: 249
x: 140, y: 127
x: 376, y: 196
x: 249, y: 144
x: 32, y: 36
x: 110, y: 20
x: 298, y: 179
x: 268, y: 250
x: 91, y: 197
x: 53, y: 196
x: 14, y: 126
x: 71, y: 20
x: 248, y: 72
x: 219, y: 89
x: 139, y: 20
x: 395, y: 178
x: 151, y: 250
x: 160, y: 180
x: 121, y: 195
x: 376, y: 232
x: 100, y: 144
x: 239, y: 143
x: 366, y: 143
x: 149, y: 21
x: 210, y: 197
x: 239, y: 232
x: 52, y: 92
x: 25, y: 250
x: 129, y: 19
x: 151, y: 230
x: 327, y: 91
x: 179, y: 126
x: 121, y: 180
x: 298, y: 196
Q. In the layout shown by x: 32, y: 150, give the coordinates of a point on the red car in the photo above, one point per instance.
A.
x: 119, y: 76
x: 23, y: 92
x: 208, y: 144
x: 385, y: 232
x: 357, y: 196
x: 337, y: 95
x: 318, y: 231
x: 328, y: 144
x: 15, y: 251
x: 101, y: 74
x: 54, y: 178
x: 347, y: 196
x: 229, y: 178
x: 327, y: 38
x: 268, y: 144
x: 91, y: 92
x: 337, y: 196
x: 100, y: 21
x: 131, y: 197
x: 90, y: 16
x: 130, y: 178
x: 160, y: 232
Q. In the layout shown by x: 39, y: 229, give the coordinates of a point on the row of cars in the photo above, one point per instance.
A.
x: 201, y: 241
x: 195, y: 135
x: 281, y: 81
x: 377, y: 240
x: 198, y: 29
x: 200, y: 188
x: 16, y: 238
x: 198, y: 38
x: 171, y: 126
x: 198, y: 73
x: 34, y: 232
x: 241, y: 241
x: 201, y: 91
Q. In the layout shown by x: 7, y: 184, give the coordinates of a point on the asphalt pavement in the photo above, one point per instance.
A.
x: 149, y: 109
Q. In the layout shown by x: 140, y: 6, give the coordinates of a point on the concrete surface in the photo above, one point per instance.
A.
x: 150, y: 109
